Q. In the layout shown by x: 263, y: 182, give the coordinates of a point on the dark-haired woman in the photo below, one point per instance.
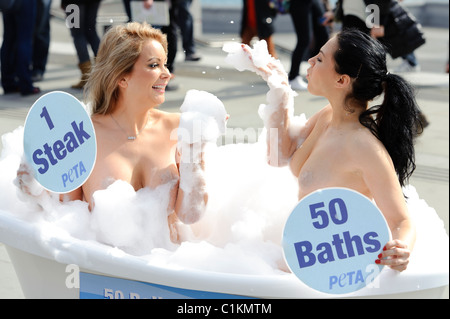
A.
x: 347, y: 144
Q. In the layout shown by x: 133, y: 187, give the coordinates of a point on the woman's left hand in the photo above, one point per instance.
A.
x: 266, y: 71
x: 395, y: 255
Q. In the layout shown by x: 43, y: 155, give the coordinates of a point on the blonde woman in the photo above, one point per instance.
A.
x: 136, y: 141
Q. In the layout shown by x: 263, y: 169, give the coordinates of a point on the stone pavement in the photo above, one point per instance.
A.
x: 242, y: 93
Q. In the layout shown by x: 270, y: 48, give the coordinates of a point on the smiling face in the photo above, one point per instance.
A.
x: 149, y: 77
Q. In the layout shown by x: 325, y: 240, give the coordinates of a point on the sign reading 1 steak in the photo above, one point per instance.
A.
x: 332, y: 239
x: 59, y: 142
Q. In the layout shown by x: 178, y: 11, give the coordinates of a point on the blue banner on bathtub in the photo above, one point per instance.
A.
x: 104, y: 287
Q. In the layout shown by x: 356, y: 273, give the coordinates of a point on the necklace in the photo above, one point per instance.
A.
x: 131, y: 138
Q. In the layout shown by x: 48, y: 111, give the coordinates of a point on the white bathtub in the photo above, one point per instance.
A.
x: 41, y: 260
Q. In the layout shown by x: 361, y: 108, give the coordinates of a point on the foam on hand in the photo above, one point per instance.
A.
x: 259, y: 60
x: 203, y: 118
x: 237, y: 57
x: 280, y: 98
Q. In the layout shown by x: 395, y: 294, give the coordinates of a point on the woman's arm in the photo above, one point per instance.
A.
x: 283, y: 136
x: 30, y: 189
x: 192, y: 195
x: 381, y: 179
x: 202, y: 120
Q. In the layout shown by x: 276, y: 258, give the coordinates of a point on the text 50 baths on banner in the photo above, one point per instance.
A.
x: 332, y: 239
x: 59, y: 142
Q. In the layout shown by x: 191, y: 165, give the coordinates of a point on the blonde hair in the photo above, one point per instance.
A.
x: 119, y: 50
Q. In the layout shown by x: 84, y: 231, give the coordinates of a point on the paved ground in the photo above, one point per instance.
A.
x: 243, y: 92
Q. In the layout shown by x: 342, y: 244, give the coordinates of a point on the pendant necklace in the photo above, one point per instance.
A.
x: 131, y: 138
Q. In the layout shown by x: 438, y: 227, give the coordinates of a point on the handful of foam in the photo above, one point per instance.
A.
x: 239, y: 59
x: 257, y: 62
x: 203, y: 118
x: 280, y: 98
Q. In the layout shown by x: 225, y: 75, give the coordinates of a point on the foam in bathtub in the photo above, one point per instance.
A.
x: 249, y: 203
x: 248, y: 207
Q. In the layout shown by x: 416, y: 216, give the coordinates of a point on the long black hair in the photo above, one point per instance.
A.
x: 396, y: 121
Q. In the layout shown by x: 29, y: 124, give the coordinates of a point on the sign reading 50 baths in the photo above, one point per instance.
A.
x: 59, y: 142
x: 332, y: 239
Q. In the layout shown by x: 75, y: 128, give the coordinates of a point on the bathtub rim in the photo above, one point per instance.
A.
x: 98, y: 258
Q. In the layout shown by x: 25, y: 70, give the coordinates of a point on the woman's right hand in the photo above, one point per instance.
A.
x: 23, y: 178
x: 395, y: 255
x: 26, y: 182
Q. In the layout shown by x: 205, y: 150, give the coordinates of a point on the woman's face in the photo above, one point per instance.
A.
x: 322, y: 73
x: 148, y: 80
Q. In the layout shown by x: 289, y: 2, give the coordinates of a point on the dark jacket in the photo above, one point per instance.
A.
x: 403, y: 33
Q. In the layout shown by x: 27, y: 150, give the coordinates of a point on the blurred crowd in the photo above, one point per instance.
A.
x: 26, y: 37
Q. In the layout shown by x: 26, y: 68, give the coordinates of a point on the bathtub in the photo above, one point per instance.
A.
x: 57, y: 265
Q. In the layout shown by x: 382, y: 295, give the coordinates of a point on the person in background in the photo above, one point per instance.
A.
x: 257, y: 21
x: 41, y: 39
x: 301, y: 14
x: 320, y: 32
x: 84, y: 35
x: 127, y: 6
x: 413, y: 35
x: 398, y: 29
x: 186, y: 24
x: 17, y: 48
x: 172, y: 40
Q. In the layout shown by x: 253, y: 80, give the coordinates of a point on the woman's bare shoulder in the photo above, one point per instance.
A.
x: 326, y: 110
x: 321, y: 115
x: 168, y: 119
x: 363, y: 138
x: 100, y: 122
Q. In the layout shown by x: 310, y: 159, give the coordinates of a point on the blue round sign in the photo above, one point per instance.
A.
x: 332, y: 239
x: 59, y: 142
